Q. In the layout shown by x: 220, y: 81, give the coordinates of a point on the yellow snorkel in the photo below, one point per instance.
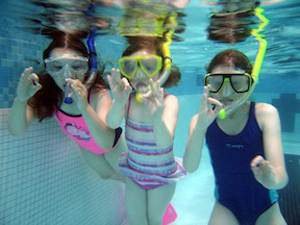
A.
x: 258, y: 60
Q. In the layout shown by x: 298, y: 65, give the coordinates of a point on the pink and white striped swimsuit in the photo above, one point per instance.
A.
x: 148, y: 165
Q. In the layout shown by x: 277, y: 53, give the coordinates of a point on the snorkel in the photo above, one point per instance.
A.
x: 92, y: 58
x: 223, y: 113
x: 92, y: 72
x: 164, y: 75
x: 68, y: 94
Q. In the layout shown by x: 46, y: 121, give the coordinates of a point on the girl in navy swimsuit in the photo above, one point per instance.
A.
x: 245, y: 148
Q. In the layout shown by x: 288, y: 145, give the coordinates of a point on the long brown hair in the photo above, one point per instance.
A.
x: 231, y: 57
x: 153, y: 44
x: 46, y: 101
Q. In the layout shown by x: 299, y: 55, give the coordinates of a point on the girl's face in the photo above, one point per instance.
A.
x: 66, y: 63
x: 228, y: 84
x: 140, y: 67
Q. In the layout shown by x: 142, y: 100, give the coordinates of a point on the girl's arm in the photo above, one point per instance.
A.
x: 120, y: 89
x: 95, y: 114
x: 192, y: 155
x: 270, y: 172
x: 21, y: 114
x: 209, y: 109
x: 165, y: 123
x: 116, y: 114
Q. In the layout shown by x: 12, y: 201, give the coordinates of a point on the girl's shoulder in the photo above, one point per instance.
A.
x: 171, y: 99
x: 265, y: 113
x: 264, y: 109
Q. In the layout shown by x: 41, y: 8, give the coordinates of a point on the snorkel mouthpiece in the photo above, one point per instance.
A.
x: 68, y: 93
x: 139, y: 97
x: 222, y: 114
x: 67, y: 89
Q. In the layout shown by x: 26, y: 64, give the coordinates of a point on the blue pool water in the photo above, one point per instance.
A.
x: 43, y: 179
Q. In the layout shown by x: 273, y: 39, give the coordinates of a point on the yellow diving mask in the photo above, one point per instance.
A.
x: 149, y: 64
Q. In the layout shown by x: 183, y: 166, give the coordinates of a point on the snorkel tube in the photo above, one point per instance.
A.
x: 91, y: 47
x: 92, y: 68
x: 257, y: 63
x: 92, y: 60
x: 166, y: 57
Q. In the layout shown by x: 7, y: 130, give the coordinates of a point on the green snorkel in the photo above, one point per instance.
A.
x: 258, y: 60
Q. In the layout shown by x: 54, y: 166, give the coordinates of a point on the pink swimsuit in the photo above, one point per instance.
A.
x: 76, y: 129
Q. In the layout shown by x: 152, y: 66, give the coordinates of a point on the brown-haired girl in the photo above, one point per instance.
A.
x: 80, y: 105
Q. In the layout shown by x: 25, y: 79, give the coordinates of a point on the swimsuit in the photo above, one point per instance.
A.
x: 236, y: 186
x: 75, y: 127
x: 147, y: 164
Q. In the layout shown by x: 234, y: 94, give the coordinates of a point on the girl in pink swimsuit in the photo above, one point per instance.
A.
x: 81, y: 113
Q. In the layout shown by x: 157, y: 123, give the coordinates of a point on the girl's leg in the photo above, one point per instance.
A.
x: 222, y: 216
x: 99, y: 164
x: 158, y: 199
x: 136, y: 204
x: 272, y: 216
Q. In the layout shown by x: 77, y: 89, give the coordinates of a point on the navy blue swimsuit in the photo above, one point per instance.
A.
x: 236, y: 187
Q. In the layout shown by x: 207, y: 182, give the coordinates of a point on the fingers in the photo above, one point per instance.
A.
x: 115, y: 81
x: 209, y: 103
x: 31, y: 78
x: 258, y: 161
x: 76, y: 85
x: 110, y: 82
x: 214, y: 101
x: 115, y: 74
x: 127, y: 87
x: 34, y: 79
x: 27, y: 72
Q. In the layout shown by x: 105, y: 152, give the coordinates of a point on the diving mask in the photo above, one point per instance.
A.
x: 66, y: 66
x: 150, y: 65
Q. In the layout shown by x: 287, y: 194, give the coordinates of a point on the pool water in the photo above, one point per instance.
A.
x: 44, y: 180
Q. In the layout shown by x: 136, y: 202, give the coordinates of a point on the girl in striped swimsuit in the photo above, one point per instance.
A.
x: 150, y: 120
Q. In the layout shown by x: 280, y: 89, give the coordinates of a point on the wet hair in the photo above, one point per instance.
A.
x: 154, y: 44
x: 231, y: 57
x: 46, y: 101
x: 230, y: 27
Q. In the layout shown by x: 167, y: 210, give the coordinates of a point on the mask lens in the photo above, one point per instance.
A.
x: 240, y: 83
x: 54, y: 67
x: 151, y: 65
x: 215, y: 82
x: 75, y: 66
x: 127, y: 66
x: 79, y: 67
